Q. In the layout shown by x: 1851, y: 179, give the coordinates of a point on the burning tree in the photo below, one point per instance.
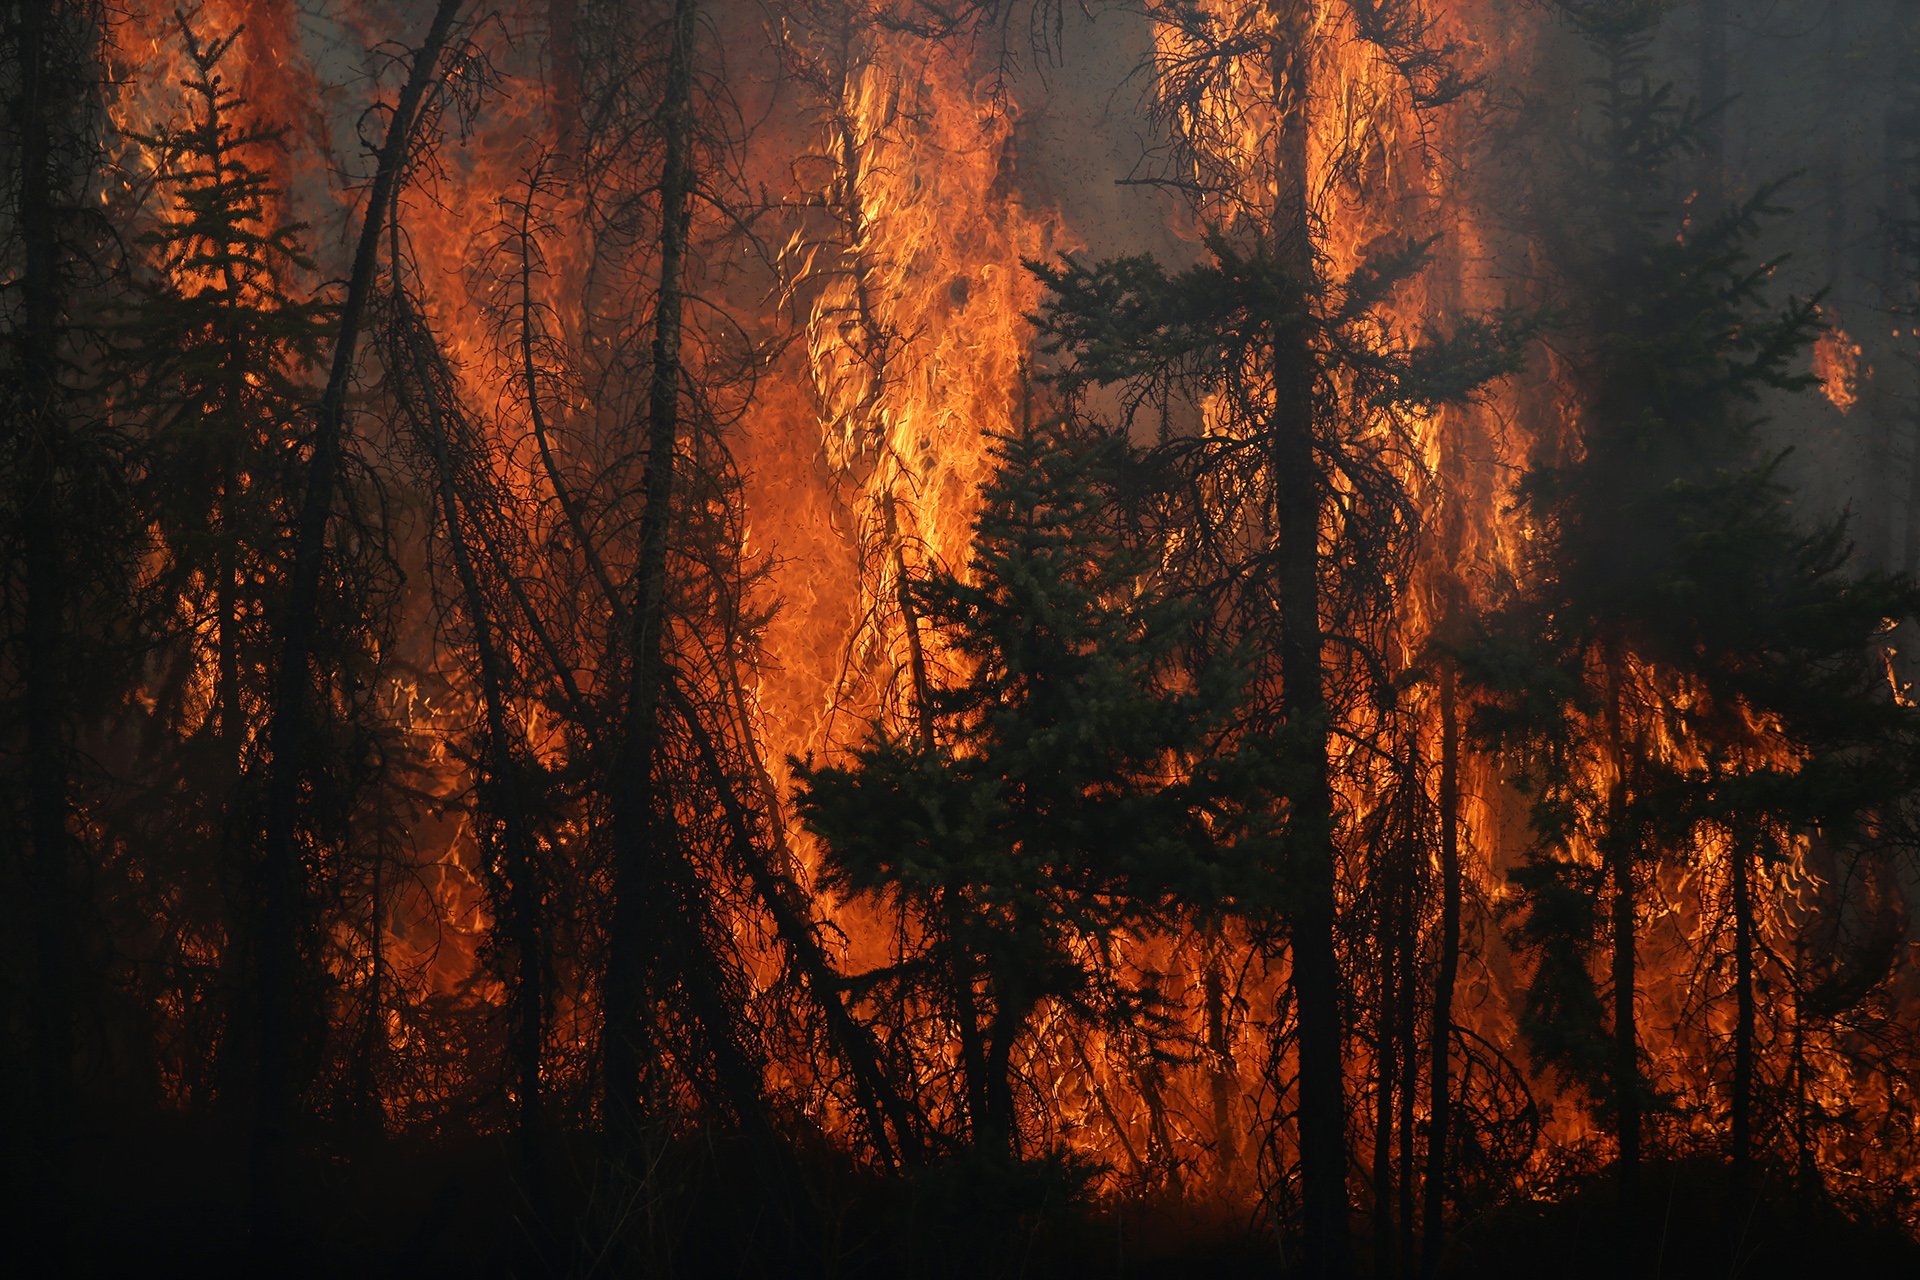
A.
x: 1671, y: 677
x: 399, y: 676
x: 218, y: 354
x: 1045, y: 801
x: 1303, y: 482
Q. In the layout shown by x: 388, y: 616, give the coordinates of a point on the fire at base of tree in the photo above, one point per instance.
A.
x: 878, y: 637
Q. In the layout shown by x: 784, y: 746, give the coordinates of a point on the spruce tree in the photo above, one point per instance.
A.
x: 1678, y: 657
x: 1046, y: 797
x: 1315, y: 392
x: 1305, y: 480
x: 218, y: 347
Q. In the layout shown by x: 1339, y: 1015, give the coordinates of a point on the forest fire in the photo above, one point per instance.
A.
x: 1019, y: 635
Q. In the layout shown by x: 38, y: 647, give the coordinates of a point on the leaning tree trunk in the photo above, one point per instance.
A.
x: 274, y: 971
x: 515, y: 894
x: 879, y: 1101
x: 640, y: 830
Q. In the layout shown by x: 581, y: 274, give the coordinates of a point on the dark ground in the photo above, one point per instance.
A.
x: 169, y: 1201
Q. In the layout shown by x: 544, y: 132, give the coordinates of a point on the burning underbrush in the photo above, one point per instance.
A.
x: 698, y: 637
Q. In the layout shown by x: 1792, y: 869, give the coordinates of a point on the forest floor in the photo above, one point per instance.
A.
x: 171, y: 1201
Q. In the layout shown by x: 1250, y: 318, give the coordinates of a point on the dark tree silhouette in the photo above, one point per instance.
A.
x: 1670, y: 599
x: 1045, y: 797
x: 65, y: 544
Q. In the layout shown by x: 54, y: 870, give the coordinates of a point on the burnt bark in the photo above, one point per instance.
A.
x: 1221, y: 1086
x: 1622, y: 872
x: 973, y: 1041
x: 1440, y: 1082
x: 1744, y: 1013
x: 1806, y: 1165
x: 275, y: 950
x: 48, y: 71
x: 1295, y: 477
x: 1294, y: 473
x: 642, y: 829
x: 1002, y: 1126
x: 1388, y: 1051
x: 1408, y: 1164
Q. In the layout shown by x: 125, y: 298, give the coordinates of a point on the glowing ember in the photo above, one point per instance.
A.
x: 1838, y: 364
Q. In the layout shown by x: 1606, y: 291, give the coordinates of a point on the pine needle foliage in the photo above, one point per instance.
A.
x: 1047, y: 799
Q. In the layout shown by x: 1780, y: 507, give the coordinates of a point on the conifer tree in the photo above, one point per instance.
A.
x: 1316, y: 387
x: 1305, y: 511
x: 308, y: 682
x: 1044, y: 800
x: 1679, y: 656
x: 218, y: 346
x: 221, y: 347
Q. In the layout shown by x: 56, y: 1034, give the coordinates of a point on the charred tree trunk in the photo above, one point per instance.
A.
x: 1316, y: 976
x: 1408, y: 1166
x: 50, y: 71
x: 369, y: 1052
x: 1621, y: 871
x: 1714, y: 71
x: 1440, y: 1082
x: 1294, y: 473
x: 1398, y: 1256
x: 973, y: 1035
x: 230, y: 719
x: 1806, y: 1166
x: 527, y: 312
x: 275, y: 943
x: 1388, y: 1050
x: 1397, y: 1059
x: 512, y: 876
x: 231, y: 725
x: 1220, y: 1079
x: 1743, y: 1025
x: 976, y: 1048
x: 882, y: 1104
x: 1002, y: 1136
x: 641, y: 831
